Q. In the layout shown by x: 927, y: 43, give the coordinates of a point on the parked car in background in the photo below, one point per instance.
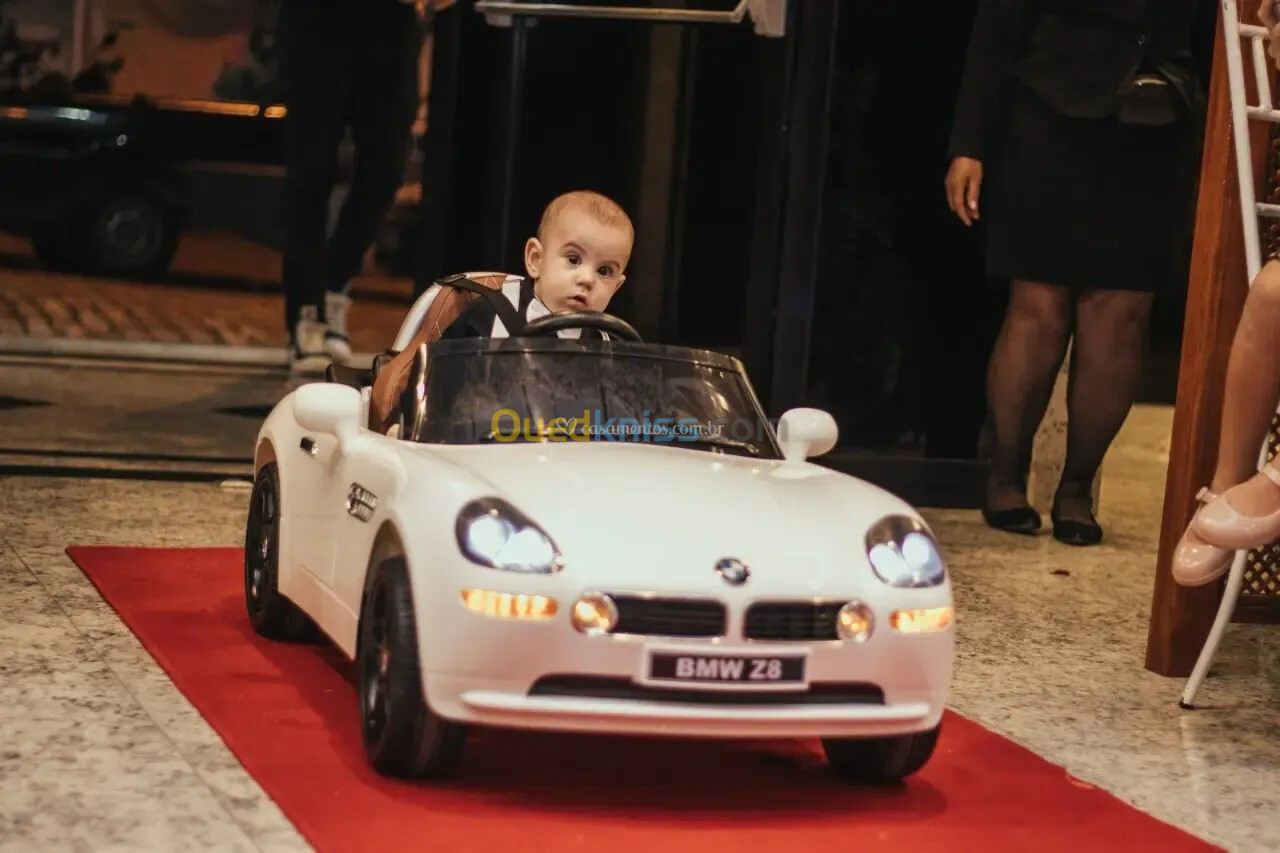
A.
x: 107, y: 184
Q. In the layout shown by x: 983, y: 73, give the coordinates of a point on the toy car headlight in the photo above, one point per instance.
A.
x: 493, y: 533
x: 903, y: 553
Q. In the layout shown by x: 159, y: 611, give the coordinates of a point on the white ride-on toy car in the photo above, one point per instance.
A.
x: 596, y: 536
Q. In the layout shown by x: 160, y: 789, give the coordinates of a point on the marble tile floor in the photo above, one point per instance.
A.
x: 99, y: 751
x: 1051, y: 643
x: 73, y: 408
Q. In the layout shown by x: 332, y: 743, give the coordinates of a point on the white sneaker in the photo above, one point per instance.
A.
x: 307, y: 350
x: 336, y: 341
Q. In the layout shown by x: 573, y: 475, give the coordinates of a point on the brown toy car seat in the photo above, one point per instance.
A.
x: 457, y: 293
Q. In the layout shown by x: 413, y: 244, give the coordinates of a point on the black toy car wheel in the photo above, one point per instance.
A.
x: 271, y: 614
x: 880, y: 761
x: 129, y: 234
x: 403, y: 737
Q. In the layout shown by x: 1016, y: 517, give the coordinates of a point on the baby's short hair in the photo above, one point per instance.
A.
x: 603, y: 209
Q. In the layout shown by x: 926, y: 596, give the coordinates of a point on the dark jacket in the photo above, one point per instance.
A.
x: 1079, y: 55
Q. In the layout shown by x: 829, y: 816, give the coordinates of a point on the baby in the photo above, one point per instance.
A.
x: 575, y: 263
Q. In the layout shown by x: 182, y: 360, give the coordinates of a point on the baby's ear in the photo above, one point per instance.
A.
x: 621, y: 279
x: 533, y: 257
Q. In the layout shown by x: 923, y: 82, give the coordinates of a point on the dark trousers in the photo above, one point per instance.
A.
x: 343, y: 63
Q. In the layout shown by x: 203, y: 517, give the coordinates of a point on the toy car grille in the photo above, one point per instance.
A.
x: 786, y: 620
x: 669, y: 617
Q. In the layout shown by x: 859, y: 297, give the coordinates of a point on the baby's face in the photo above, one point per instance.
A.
x: 580, y: 266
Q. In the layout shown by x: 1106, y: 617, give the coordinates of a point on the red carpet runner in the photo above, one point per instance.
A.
x: 289, y: 714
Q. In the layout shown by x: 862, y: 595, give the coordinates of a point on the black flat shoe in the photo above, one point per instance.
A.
x: 1076, y: 532
x: 1021, y: 519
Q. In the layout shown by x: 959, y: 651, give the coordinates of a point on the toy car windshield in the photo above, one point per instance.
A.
x: 519, y: 390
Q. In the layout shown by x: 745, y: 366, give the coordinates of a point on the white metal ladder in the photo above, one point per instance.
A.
x: 1250, y: 211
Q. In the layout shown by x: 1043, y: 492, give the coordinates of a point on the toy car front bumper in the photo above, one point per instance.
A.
x: 548, y: 676
x: 475, y: 701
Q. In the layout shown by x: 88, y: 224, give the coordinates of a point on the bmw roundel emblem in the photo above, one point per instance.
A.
x: 733, y: 571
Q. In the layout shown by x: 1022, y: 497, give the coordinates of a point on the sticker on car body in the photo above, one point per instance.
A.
x: 361, y: 502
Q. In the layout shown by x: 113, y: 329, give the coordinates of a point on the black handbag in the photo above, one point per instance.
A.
x: 1150, y: 99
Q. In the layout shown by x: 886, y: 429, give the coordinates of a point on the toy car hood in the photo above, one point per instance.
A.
x: 677, y: 511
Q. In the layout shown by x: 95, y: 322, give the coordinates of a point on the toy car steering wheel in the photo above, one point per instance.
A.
x: 608, y: 323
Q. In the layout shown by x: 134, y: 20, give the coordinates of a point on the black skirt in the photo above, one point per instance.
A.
x: 1088, y: 203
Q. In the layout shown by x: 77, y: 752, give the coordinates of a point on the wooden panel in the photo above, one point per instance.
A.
x: 1180, y: 617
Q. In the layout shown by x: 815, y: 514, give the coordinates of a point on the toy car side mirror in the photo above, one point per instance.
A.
x: 804, y: 433
x: 329, y: 408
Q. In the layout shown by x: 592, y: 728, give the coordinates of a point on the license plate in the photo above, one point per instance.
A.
x: 726, y: 669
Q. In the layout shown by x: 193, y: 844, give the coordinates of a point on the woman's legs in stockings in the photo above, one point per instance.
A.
x: 1024, y: 366
x: 1106, y: 368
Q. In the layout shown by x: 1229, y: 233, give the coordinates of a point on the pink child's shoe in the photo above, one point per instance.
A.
x: 1199, y: 563
x: 1219, y: 523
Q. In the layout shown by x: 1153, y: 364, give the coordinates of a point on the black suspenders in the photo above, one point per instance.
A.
x: 513, y: 317
x: 526, y: 299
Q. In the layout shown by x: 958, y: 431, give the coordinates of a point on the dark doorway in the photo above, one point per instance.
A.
x: 905, y: 318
